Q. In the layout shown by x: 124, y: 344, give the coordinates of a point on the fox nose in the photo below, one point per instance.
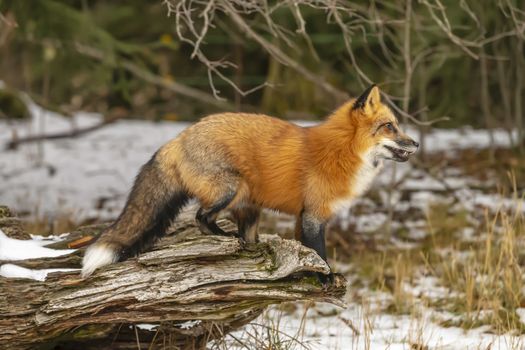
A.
x: 415, y: 143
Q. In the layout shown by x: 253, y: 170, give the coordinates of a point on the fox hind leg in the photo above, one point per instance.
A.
x: 206, y: 216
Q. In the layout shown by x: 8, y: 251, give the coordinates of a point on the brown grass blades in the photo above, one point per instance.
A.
x: 266, y: 333
x: 490, y: 278
x: 477, y: 278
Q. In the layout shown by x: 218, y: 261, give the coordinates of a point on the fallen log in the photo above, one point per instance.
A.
x: 212, y: 281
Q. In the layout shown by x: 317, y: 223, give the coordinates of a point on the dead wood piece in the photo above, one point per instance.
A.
x: 213, y: 281
x: 5, y: 212
x: 13, y: 227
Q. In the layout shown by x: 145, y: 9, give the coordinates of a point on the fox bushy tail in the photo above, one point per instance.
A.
x: 153, y: 203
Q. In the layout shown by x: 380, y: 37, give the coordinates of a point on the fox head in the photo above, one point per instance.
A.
x: 378, y: 130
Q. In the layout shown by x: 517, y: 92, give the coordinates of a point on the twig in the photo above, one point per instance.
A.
x: 13, y: 144
x: 444, y: 25
x: 279, y: 55
x: 350, y: 325
x: 156, y: 80
x: 137, y: 336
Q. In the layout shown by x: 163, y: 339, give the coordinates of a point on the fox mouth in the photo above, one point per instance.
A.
x: 399, y: 154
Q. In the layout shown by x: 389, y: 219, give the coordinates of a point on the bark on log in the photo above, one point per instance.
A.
x: 11, y: 225
x: 186, y: 276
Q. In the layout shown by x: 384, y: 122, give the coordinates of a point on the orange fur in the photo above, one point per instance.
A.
x: 282, y: 166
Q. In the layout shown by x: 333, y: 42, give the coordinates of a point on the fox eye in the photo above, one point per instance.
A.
x: 390, y: 127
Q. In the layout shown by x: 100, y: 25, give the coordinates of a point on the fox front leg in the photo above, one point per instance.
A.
x: 312, y: 236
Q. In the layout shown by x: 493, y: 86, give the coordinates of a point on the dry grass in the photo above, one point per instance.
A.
x: 489, y: 278
x: 483, y: 276
x: 38, y: 223
x: 43, y: 225
x: 266, y: 333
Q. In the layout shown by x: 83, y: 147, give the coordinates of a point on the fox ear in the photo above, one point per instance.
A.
x: 368, y: 100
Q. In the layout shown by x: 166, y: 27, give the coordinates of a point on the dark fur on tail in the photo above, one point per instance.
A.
x: 152, y: 205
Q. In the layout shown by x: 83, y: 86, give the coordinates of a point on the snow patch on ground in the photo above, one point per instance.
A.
x: 521, y: 314
x: 147, y: 326
x: 45, y: 240
x: 88, y: 176
x: 15, y: 271
x: 189, y: 324
x: 15, y: 249
x: 360, y: 327
x: 450, y: 140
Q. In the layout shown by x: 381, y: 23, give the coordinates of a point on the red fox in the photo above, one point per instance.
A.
x: 244, y: 162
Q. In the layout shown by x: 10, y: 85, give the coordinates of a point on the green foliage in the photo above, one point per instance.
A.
x: 444, y: 72
x: 12, y: 106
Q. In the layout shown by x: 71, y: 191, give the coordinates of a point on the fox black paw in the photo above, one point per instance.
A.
x: 242, y: 242
x: 325, y: 280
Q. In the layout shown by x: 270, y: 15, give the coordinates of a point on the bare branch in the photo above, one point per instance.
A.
x: 445, y: 26
x: 13, y: 144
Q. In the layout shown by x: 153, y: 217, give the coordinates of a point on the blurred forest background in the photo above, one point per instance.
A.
x: 440, y: 238
x: 178, y: 60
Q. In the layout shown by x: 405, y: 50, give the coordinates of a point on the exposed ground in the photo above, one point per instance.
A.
x: 435, y: 255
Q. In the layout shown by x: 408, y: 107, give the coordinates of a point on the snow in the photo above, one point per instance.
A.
x: 466, y: 137
x: 189, y: 324
x: 15, y: 271
x: 521, y: 314
x: 147, y: 326
x: 369, y: 222
x: 15, y: 249
x: 362, y: 327
x: 185, y: 325
x: 45, y: 240
x: 429, y: 287
x: 98, y: 168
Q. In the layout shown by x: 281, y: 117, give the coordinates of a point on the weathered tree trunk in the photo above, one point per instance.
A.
x: 212, y: 280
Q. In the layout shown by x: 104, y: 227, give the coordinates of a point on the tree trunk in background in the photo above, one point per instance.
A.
x: 505, y: 84
x: 518, y: 95
x: 422, y: 104
x: 485, y: 103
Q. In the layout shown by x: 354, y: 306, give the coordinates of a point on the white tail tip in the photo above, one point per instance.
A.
x: 96, y: 256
